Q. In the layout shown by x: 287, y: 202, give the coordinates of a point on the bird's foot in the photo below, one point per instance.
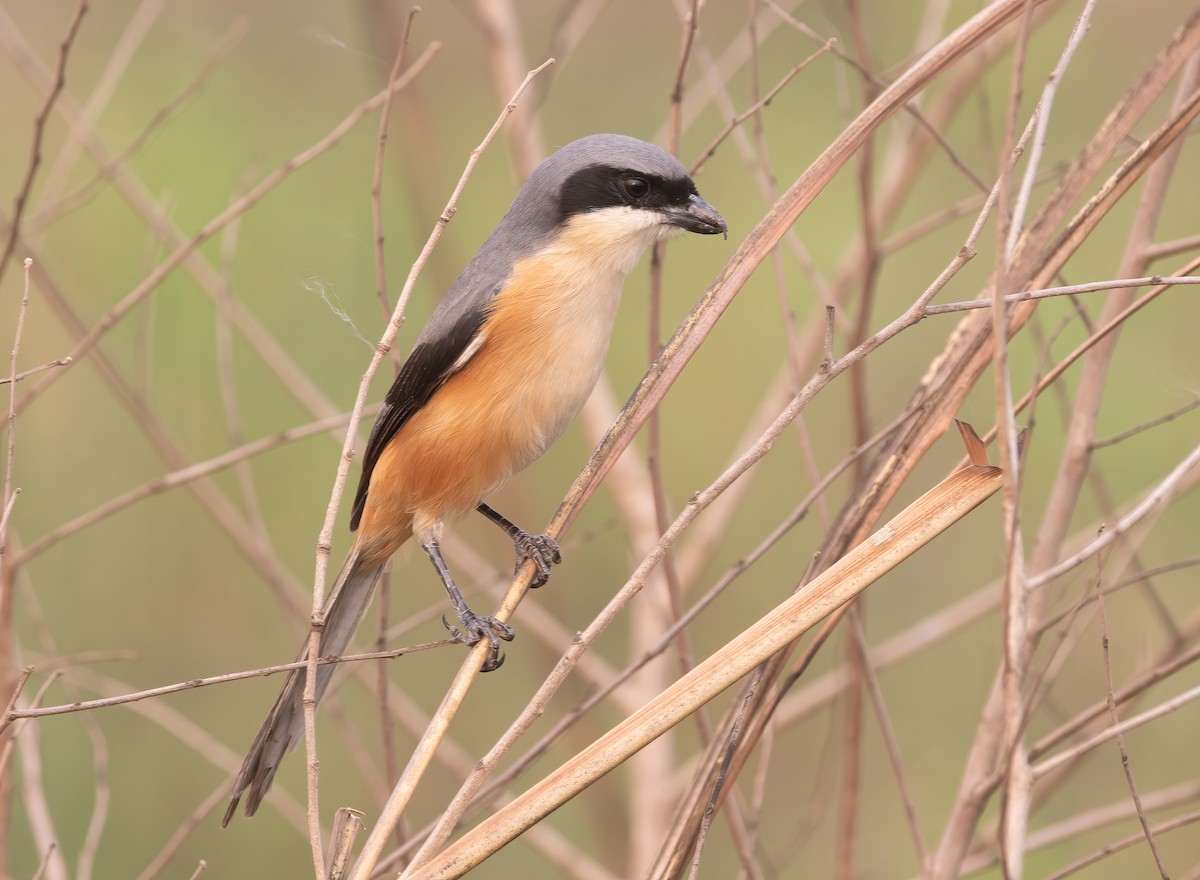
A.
x: 542, y: 549
x: 476, y: 627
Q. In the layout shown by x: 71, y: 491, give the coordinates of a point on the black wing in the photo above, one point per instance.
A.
x: 425, y: 371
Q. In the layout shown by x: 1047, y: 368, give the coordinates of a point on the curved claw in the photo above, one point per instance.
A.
x: 476, y: 627
x: 495, y: 659
x: 542, y: 549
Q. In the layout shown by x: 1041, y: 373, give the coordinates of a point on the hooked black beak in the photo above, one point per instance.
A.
x: 697, y: 216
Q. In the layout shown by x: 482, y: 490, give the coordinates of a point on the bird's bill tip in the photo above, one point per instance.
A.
x: 697, y: 216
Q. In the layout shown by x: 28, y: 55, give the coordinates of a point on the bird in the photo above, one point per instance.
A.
x: 505, y: 362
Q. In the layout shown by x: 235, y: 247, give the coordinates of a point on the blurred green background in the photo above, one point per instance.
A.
x: 160, y: 592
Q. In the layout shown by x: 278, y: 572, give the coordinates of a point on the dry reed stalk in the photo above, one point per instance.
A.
x: 907, y: 532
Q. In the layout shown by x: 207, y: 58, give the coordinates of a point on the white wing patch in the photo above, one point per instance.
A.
x: 469, y: 352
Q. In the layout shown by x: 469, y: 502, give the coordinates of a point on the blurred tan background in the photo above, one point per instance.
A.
x: 161, y: 592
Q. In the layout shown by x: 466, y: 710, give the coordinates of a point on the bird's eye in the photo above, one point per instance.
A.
x: 635, y: 187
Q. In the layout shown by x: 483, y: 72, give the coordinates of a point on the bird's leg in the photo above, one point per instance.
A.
x: 474, y: 626
x: 542, y: 549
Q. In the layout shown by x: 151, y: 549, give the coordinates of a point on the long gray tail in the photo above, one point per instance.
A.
x: 281, y: 730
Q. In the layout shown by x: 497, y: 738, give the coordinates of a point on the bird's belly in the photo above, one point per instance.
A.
x: 557, y: 386
x: 507, y: 404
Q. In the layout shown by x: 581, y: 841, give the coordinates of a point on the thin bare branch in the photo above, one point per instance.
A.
x: 1109, y: 733
x: 49, y: 365
x: 1135, y: 796
x: 755, y: 108
x: 1124, y: 843
x: 1065, y: 290
x: 1041, y: 114
x: 1170, y: 248
x: 1146, y: 426
x: 6, y: 491
x: 106, y: 702
x: 385, y: 116
x: 58, y: 81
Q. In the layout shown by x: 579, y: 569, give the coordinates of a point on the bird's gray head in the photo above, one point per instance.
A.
x: 605, y: 171
x: 630, y: 192
x: 608, y: 195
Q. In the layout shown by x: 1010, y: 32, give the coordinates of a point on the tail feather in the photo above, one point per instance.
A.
x: 347, y: 602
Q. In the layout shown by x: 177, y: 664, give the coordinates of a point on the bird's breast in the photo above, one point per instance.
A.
x: 545, y: 344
